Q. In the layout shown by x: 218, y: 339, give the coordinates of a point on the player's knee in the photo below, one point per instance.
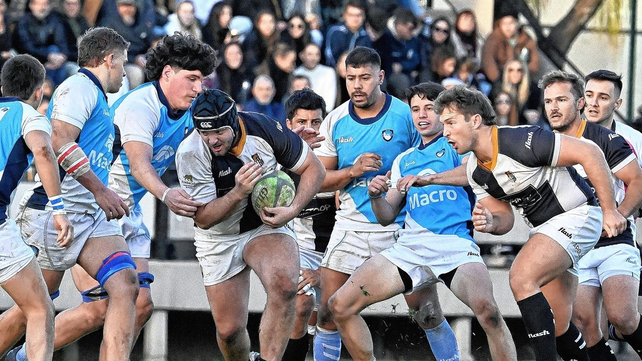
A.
x: 338, y: 307
x: 427, y: 316
x: 626, y: 324
x: 282, y: 287
x: 487, y: 313
x: 119, y: 267
x: 521, y: 284
x: 230, y: 334
x: 40, y: 312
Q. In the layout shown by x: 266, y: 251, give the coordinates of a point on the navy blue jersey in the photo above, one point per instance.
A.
x: 206, y: 177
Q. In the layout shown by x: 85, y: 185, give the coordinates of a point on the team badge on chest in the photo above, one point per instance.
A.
x: 387, y: 134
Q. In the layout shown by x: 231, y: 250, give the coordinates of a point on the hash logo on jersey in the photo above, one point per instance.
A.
x: 279, y: 127
x: 613, y: 135
x: 387, y: 134
x: 511, y: 176
x: 257, y: 159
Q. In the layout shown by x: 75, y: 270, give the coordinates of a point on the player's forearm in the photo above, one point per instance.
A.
x: 336, y: 179
x: 47, y: 168
x: 454, y: 177
x: 502, y: 223
x: 632, y: 198
x: 146, y: 176
x: 599, y: 174
x: 311, y: 179
x: 219, y: 209
x: 91, y: 181
x: 383, y: 211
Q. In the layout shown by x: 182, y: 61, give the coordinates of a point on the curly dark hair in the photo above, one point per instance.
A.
x: 180, y: 51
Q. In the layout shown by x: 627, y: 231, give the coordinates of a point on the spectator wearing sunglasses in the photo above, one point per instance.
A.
x: 525, y: 94
x: 297, y: 34
x: 437, y: 36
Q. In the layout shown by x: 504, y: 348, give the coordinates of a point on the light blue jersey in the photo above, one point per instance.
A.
x: 388, y: 134
x: 144, y: 115
x: 436, y: 209
x: 16, y: 120
x: 81, y: 101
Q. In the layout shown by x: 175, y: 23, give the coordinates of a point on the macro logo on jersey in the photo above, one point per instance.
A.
x: 425, y: 198
x: 387, y: 134
x: 102, y: 160
x: 257, y: 159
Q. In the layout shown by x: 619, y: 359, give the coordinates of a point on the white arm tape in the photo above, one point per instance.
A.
x: 73, y: 160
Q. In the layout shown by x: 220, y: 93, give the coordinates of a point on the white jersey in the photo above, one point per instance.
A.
x: 80, y: 101
x: 17, y: 119
x: 144, y: 115
x: 524, y: 173
x: 205, y: 177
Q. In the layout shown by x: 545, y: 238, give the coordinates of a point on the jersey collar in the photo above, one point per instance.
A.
x: 9, y: 99
x: 165, y: 102
x: 367, y: 121
x: 95, y: 80
x: 423, y: 146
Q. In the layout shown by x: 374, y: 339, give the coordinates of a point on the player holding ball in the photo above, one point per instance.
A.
x: 218, y: 165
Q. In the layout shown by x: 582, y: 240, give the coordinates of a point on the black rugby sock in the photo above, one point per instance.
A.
x: 297, y: 349
x: 635, y: 339
x: 538, y: 319
x: 571, y: 345
x: 601, y: 351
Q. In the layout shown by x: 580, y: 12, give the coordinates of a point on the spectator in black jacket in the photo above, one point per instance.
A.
x: 344, y: 37
x: 134, y: 21
x: 41, y: 33
x: 75, y: 25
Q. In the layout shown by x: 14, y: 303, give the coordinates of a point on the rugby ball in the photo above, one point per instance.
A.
x: 274, y: 189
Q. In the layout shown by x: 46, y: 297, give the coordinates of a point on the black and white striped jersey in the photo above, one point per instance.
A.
x: 524, y: 173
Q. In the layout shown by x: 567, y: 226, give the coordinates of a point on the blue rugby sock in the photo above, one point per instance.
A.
x: 327, y: 345
x: 443, y: 342
x: 22, y: 353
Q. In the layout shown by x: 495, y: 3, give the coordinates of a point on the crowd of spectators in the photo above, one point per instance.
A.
x: 276, y: 42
